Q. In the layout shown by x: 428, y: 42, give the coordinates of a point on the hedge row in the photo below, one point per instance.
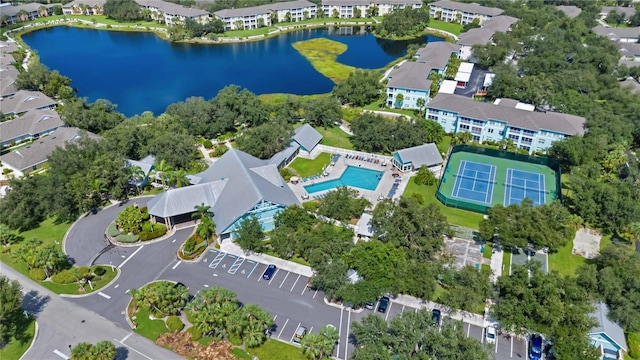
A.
x: 174, y: 324
x: 126, y: 238
x: 112, y: 229
x: 158, y: 231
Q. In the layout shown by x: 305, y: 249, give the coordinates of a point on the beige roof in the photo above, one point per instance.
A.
x: 90, y: 3
x: 627, y: 11
x: 506, y: 112
x: 482, y: 35
x: 8, y: 76
x: 25, y: 100
x: 33, y: 122
x: 471, y: 8
x: 436, y: 55
x: 410, y: 75
x: 37, y: 153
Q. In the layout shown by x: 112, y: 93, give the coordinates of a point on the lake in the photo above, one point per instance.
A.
x: 140, y: 71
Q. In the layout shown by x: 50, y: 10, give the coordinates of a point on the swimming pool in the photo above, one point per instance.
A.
x: 353, y: 176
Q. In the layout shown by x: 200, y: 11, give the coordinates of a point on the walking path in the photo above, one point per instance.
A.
x: 496, y: 264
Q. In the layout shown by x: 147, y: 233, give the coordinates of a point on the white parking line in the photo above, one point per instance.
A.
x: 468, y: 329
x: 104, y: 295
x: 126, y: 337
x: 386, y: 316
x: 274, y: 318
x: 303, y: 290
x: 526, y: 347
x: 254, y: 267
x: 294, y: 333
x: 285, y: 279
x: 130, y: 256
x: 315, y: 293
x: 281, y: 330
x: 402, y: 311
x: 57, y: 352
x: 130, y: 348
x: 339, y: 334
x: 346, y: 343
x: 294, y: 284
x: 176, y: 265
x: 497, y: 338
x: 274, y: 276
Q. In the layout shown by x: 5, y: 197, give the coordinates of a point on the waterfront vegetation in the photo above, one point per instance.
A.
x: 322, y: 54
x: 450, y: 27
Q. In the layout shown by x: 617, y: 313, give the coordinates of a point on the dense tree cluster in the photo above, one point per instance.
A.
x: 342, y: 204
x: 102, y: 350
x: 216, y: 312
x: 376, y: 133
x: 362, y: 87
x: 410, y: 335
x: 40, y: 78
x: 403, y: 22
x: 550, y: 304
x: 197, y: 29
x: 96, y: 117
x: 522, y: 225
x: 265, y: 140
x: 164, y: 298
x: 10, y: 311
x: 249, y: 234
x: 122, y: 10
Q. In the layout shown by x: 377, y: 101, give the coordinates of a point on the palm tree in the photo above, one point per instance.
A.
x: 5, y: 20
x: 312, y: 346
x: 421, y: 102
x: 103, y: 350
x: 23, y: 15
x: 399, y: 100
x: 206, y: 229
x: 178, y: 178
x: 98, y: 188
x: 82, y: 351
x: 202, y: 210
x: 160, y: 171
x: 42, y: 11
x: 136, y: 175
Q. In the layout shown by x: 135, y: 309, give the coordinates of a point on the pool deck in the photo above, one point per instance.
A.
x: 336, y: 170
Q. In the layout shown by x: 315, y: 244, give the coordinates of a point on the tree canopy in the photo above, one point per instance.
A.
x: 376, y: 133
x: 403, y: 22
x: 10, y: 311
x: 362, y: 87
x: 123, y: 10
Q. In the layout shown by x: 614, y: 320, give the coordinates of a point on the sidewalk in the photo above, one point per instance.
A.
x: 231, y: 248
x: 414, y: 302
x: 496, y: 264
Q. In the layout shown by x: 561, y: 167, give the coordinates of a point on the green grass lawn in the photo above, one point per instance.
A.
x: 378, y: 106
x: 453, y: 28
x: 454, y: 216
x: 151, y: 329
x: 444, y: 144
x: 18, y: 346
x: 240, y: 354
x: 506, y: 262
x: 334, y: 136
x: 48, y: 232
x: 249, y: 32
x: 279, y: 98
x: 564, y: 261
x: 488, y: 251
x: 97, y: 19
x: 277, y: 350
x: 322, y: 54
x: 306, y: 167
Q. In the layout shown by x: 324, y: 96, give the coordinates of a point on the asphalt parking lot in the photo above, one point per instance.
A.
x: 475, y: 83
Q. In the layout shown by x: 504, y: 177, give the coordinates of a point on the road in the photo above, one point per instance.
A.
x: 61, y: 323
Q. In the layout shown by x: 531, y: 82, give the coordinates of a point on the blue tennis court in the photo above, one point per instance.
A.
x: 523, y: 184
x: 474, y: 182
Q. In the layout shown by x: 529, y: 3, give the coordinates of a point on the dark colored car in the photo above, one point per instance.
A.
x: 271, y: 269
x: 535, y: 347
x: 436, y: 316
x: 383, y: 304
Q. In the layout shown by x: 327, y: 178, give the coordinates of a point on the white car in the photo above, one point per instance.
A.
x: 490, y: 337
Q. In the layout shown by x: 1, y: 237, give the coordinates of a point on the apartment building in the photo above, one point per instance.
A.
x: 463, y: 13
x: 504, y: 119
x: 484, y: 34
x: 12, y: 14
x: 347, y: 9
x: 265, y: 15
x: 171, y: 14
x: 84, y: 7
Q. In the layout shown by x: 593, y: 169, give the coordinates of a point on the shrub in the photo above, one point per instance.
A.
x: 286, y: 173
x: 158, y: 315
x: 196, y: 334
x: 64, y: 277
x: 174, y: 324
x: 207, y: 143
x: 158, y: 231
x: 99, y: 270
x: 310, y: 206
x: 37, y: 274
x: 126, y: 238
x: 112, y: 229
x: 424, y: 177
x: 220, y: 150
x: 147, y: 226
x: 234, y: 339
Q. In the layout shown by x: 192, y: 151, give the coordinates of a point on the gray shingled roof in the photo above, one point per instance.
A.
x: 263, y: 9
x: 532, y: 120
x: 6, y: 60
x: 627, y: 11
x: 172, y: 9
x: 482, y: 35
x: 278, y: 158
x: 8, y: 47
x: 231, y: 187
x: 469, y: 8
x: 436, y: 55
x: 632, y: 85
x: 410, y: 75
x: 617, y: 33
x: 25, y: 100
x: 31, y: 123
x: 606, y: 326
x: 90, y: 3
x: 425, y: 154
x: 144, y: 164
x: 369, y: 2
x: 307, y: 137
x: 629, y: 49
x: 38, y: 152
x: 8, y: 76
x: 13, y: 10
x: 570, y: 11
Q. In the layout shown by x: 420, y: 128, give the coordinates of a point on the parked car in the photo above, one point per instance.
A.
x: 535, y: 347
x: 490, y: 335
x: 300, y: 334
x: 436, y: 316
x: 271, y: 269
x: 370, y: 305
x: 383, y: 304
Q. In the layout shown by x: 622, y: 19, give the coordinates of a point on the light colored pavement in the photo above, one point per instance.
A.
x: 232, y: 248
x: 496, y: 263
x: 417, y: 303
x: 61, y: 323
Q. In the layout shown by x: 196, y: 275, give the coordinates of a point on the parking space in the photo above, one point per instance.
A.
x: 475, y: 332
x: 465, y: 252
x: 520, y: 257
x: 475, y: 83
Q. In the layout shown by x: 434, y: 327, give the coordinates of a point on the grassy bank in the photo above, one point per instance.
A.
x: 334, y: 136
x: 322, y: 54
x: 453, y: 28
x: 18, y: 345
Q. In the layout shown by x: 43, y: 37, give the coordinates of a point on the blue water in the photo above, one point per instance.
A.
x: 139, y: 71
x: 353, y: 176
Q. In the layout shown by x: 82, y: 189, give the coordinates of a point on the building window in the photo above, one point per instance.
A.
x: 433, y: 117
x: 476, y: 138
x: 514, y: 137
x: 541, y: 141
x: 490, y: 131
x: 476, y: 130
x: 527, y: 140
x: 464, y: 127
x: 527, y: 132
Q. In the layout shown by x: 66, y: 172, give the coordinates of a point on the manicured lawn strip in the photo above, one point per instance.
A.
x: 334, y: 136
x: 249, y: 32
x: 18, y: 346
x: 322, y: 54
x: 279, y: 98
x: 276, y: 350
x: 240, y: 354
x: 306, y: 167
x: 605, y: 241
x: 377, y: 106
x: 454, y: 216
x: 96, y: 19
x: 488, y: 251
x: 633, y: 338
x: 506, y: 262
x: 564, y: 261
x: 444, y: 144
x: 48, y: 232
x: 151, y: 329
x: 453, y: 28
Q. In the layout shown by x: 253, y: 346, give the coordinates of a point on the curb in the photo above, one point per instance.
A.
x: 114, y: 242
x: 197, y: 259
x: 94, y: 292
x: 35, y: 336
x: 342, y: 307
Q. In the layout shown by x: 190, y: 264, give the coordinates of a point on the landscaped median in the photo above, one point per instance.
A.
x: 133, y: 225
